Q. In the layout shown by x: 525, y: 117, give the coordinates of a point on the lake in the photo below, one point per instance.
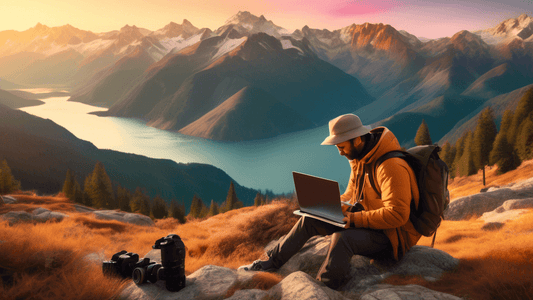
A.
x: 260, y: 164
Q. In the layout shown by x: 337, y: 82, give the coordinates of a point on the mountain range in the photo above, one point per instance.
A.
x: 251, y: 79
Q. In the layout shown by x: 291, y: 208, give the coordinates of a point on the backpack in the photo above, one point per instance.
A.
x: 432, y: 179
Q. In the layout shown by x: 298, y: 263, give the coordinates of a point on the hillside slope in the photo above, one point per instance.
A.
x: 39, y: 152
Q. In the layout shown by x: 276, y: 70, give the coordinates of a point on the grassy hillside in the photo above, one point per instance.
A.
x: 50, y: 259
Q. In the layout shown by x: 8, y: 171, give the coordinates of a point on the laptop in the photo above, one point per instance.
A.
x: 318, y: 198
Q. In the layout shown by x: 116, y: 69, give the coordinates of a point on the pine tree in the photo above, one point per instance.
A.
x: 422, y: 135
x: 447, y: 154
x: 69, y: 185
x: 100, y: 189
x: 197, y: 207
x: 8, y: 183
x: 231, y: 199
x: 484, y: 137
x: 136, y: 200
x: 213, y: 208
x: 123, y: 199
x: 503, y: 151
x: 459, y: 148
x: 523, y: 109
x: 78, y: 193
x: 466, y: 162
x: 257, y: 199
x: 524, y: 144
x: 159, y: 208
x: 177, y: 211
x: 503, y: 154
x: 507, y: 121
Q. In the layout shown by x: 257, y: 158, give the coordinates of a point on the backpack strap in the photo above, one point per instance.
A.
x: 379, y: 161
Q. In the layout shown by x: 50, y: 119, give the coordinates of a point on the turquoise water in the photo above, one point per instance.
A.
x: 260, y: 164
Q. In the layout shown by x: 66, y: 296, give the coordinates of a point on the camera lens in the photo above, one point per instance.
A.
x: 139, y: 276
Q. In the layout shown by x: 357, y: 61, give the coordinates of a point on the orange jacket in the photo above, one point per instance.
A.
x: 389, y: 210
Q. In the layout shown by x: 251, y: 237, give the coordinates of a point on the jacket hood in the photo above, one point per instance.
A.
x: 386, y: 142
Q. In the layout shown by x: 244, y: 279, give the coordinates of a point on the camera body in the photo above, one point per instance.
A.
x: 171, y: 269
x: 121, y: 264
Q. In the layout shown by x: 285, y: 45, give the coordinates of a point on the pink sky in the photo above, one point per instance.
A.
x: 431, y: 19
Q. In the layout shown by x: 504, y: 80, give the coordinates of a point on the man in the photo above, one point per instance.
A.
x: 382, y: 229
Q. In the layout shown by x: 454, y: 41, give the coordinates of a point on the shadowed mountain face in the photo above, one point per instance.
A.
x: 13, y: 101
x: 281, y: 80
x: 39, y: 153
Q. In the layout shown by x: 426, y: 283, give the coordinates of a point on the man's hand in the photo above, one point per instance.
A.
x: 347, y: 220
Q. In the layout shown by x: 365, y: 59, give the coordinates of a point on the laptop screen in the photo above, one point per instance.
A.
x: 318, y: 196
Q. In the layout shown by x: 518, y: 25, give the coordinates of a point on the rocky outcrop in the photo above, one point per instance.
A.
x: 41, y: 215
x: 476, y: 205
x: 212, y: 282
x: 136, y: 219
x: 9, y: 200
x: 509, y: 210
x: 406, y: 292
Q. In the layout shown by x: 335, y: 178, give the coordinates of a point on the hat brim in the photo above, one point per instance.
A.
x: 343, y: 137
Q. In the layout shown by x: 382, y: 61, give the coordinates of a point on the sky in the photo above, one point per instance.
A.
x: 429, y: 19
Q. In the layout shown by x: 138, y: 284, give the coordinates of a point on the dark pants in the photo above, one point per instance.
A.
x: 344, y: 244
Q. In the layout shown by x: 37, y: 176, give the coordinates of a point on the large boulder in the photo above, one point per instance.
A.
x: 426, y: 262
x: 509, y: 210
x: 42, y: 215
x: 9, y: 200
x: 15, y: 217
x: 300, y: 285
x: 404, y: 292
x: 136, y: 219
x: 209, y: 282
x: 39, y: 215
x: 477, y: 204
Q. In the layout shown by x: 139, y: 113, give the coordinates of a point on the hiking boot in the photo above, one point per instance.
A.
x: 260, y: 265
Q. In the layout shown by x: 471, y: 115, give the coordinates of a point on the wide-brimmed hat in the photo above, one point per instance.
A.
x: 344, y: 128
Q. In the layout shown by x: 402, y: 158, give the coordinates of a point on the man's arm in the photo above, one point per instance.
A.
x: 394, y: 178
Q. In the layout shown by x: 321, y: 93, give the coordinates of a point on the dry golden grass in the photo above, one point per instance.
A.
x: 464, y: 186
x: 493, y: 264
x: 47, y: 260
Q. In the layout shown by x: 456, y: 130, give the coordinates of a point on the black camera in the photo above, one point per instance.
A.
x: 172, y: 267
x: 122, y: 264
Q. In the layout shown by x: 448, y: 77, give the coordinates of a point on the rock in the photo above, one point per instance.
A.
x: 15, y: 217
x: 253, y: 294
x: 309, y: 259
x: 9, y: 200
x: 477, y: 204
x: 82, y: 208
x: 420, y: 261
x: 209, y: 282
x: 1, y: 201
x: 136, y: 219
x: 518, y: 204
x: 428, y: 263
x: 300, y: 285
x: 42, y: 215
x: 406, y: 292
x: 509, y: 210
x: 212, y: 282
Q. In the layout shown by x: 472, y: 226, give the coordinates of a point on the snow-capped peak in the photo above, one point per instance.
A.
x: 246, y: 23
x: 521, y: 27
